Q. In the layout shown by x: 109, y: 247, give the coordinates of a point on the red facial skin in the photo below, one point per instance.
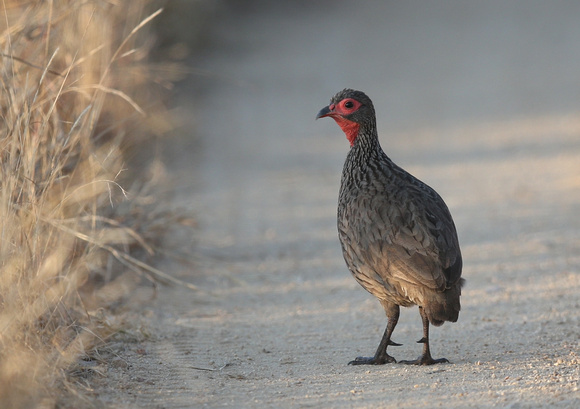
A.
x: 338, y: 113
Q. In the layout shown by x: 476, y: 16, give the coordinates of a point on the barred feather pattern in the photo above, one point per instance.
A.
x: 397, y: 235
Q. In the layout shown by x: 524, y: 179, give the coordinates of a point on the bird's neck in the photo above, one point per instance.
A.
x: 366, y: 144
x: 363, y: 155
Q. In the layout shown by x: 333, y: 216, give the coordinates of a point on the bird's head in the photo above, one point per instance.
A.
x: 351, y: 110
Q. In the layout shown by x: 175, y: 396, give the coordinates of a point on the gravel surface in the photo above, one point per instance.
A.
x: 481, y: 100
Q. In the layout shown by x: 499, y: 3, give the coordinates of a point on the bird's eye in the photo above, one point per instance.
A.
x: 348, y: 104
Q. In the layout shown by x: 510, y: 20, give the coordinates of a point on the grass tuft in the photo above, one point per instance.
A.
x: 75, y: 98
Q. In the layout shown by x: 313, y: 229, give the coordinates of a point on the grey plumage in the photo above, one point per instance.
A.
x: 397, y: 235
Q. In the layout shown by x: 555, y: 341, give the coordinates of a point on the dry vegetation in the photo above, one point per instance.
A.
x: 75, y: 97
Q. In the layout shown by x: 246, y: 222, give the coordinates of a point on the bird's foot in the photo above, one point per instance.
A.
x: 373, y: 360
x: 425, y: 360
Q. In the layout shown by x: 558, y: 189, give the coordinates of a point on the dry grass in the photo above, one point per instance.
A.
x: 75, y: 87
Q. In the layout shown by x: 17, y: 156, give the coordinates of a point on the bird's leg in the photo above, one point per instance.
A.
x: 381, y: 357
x: 425, y: 358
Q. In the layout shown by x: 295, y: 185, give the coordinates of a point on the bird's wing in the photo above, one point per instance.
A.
x: 419, y: 246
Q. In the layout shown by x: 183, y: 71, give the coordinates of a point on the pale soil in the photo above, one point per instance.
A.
x: 481, y: 102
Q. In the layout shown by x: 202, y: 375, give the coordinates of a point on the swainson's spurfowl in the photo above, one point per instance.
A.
x: 397, y: 235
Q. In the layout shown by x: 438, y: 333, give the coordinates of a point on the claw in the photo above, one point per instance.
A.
x: 373, y: 360
x: 425, y: 360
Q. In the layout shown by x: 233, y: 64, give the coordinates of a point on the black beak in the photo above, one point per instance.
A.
x: 324, y: 112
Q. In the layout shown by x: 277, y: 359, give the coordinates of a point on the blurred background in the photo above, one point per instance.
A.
x: 454, y: 83
x: 424, y: 63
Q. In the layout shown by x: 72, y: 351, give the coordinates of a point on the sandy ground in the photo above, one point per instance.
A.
x: 479, y: 99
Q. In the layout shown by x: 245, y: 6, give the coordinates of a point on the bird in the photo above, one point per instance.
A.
x: 397, y: 235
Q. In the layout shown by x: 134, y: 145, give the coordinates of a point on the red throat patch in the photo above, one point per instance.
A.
x: 350, y: 128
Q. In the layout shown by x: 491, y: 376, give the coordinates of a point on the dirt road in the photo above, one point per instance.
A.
x: 481, y: 101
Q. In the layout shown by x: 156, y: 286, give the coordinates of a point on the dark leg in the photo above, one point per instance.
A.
x: 381, y: 357
x: 426, y: 358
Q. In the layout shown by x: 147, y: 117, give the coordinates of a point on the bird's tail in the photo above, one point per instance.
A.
x: 443, y: 306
